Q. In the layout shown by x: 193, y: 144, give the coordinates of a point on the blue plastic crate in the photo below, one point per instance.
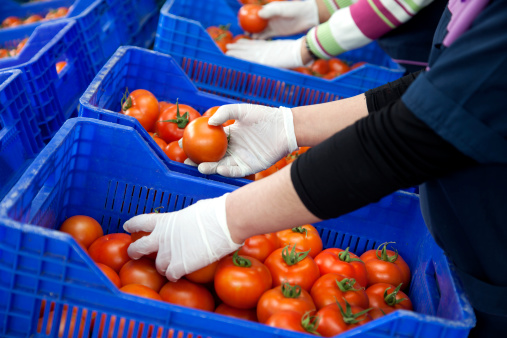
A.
x: 137, y: 68
x: 20, y: 136
x: 108, y: 172
x: 181, y: 33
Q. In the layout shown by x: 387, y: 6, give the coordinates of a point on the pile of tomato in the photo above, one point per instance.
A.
x: 14, y: 21
x: 283, y: 279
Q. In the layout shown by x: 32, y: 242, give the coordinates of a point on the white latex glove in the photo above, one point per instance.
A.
x: 277, y: 53
x: 260, y: 136
x: 186, y: 240
x: 288, y: 18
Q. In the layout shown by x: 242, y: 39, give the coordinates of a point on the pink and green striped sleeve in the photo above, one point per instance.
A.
x: 334, y: 5
x: 360, y: 23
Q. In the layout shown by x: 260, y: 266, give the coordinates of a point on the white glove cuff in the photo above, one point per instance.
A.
x: 288, y: 121
x: 313, y: 13
x: 221, y: 214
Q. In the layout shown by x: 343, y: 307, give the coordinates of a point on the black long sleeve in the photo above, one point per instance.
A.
x: 379, y: 154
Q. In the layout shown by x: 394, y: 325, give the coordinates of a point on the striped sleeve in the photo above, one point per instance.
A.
x: 334, y: 5
x: 359, y: 24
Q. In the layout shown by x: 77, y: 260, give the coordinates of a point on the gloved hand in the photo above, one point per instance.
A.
x: 288, y: 18
x: 260, y: 136
x: 186, y: 240
x: 276, y: 53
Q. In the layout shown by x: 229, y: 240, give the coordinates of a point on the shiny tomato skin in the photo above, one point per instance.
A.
x: 60, y: 66
x: 111, y: 274
x: 303, y: 273
x: 146, y: 108
x: 331, y: 320
x: 338, y: 66
x: 375, y: 294
x: 379, y: 271
x: 325, y: 291
x: 169, y: 131
x: 211, y: 111
x: 320, y: 67
x: 286, y: 319
x: 175, y: 152
x: 189, y: 294
x: 203, y: 142
x: 377, y: 313
x: 304, y: 241
x: 250, y: 20
x: 241, y: 287
x: 161, y: 143
x: 136, y: 235
x: 141, y: 291
x: 273, y: 301
x: 163, y: 105
x: 142, y: 271
x: 227, y: 310
x: 330, y: 262
x: 84, y: 229
x: 111, y: 250
x: 259, y: 247
x: 204, y: 275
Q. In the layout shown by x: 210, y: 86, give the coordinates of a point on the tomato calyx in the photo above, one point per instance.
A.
x: 383, y: 253
x: 348, y: 316
x: 181, y: 121
x: 344, y: 256
x: 300, y: 230
x: 347, y: 284
x: 290, y: 291
x: 240, y: 261
x: 310, y: 323
x: 126, y: 101
x: 390, y: 299
x: 293, y: 257
x: 157, y: 210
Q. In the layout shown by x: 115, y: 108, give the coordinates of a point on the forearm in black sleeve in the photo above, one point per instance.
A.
x: 378, y: 98
x: 379, y: 154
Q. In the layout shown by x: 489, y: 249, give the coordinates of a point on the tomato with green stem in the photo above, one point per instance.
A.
x: 173, y: 120
x: 335, y: 319
x: 332, y: 287
x: 259, y: 247
x: 305, y: 237
x: 383, y: 296
x: 343, y: 262
x: 294, y: 321
x: 141, y: 105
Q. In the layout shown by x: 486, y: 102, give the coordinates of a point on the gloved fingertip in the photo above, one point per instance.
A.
x: 180, y: 142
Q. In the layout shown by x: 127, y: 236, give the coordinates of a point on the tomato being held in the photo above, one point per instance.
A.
x: 332, y: 287
x: 241, y: 280
x: 210, y: 112
x: 203, y: 142
x: 305, y: 237
x: 84, y: 229
x: 343, y: 262
x: 142, y: 271
x: 173, y: 120
x: 186, y: 293
x: 143, y: 106
x: 250, y: 20
x: 203, y: 275
x: 111, y: 250
x: 136, y: 235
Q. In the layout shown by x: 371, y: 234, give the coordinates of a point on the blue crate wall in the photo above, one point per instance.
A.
x: 77, y: 173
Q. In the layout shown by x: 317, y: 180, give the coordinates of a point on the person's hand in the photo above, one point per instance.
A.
x: 277, y: 53
x: 260, y: 136
x: 186, y: 240
x: 288, y: 18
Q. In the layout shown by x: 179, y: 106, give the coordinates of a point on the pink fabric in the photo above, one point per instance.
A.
x: 463, y: 13
x: 367, y: 20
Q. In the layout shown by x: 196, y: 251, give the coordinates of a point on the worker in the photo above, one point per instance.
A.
x: 404, y: 29
x: 444, y: 128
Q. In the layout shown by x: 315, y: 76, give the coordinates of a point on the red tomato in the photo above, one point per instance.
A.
x: 338, y: 66
x: 241, y: 280
x: 210, y: 112
x: 221, y: 35
x: 303, y: 70
x: 160, y: 142
x: 239, y: 37
x: 143, y: 106
x: 4, y: 53
x: 383, y: 296
x: 111, y: 274
x: 111, y: 250
x: 186, y: 293
x: 141, y: 291
x: 62, y: 323
x: 227, y: 310
x: 343, y: 262
x: 293, y: 321
x: 11, y: 21
x: 386, y: 266
x: 142, y: 271
x: 296, y: 268
x: 332, y: 287
x: 305, y: 238
x: 60, y: 65
x: 20, y: 46
x: 320, y: 67
x: 331, y: 319
x: 136, y: 235
x: 163, y: 105
x: 204, y: 143
x: 175, y: 152
x: 331, y: 75
x: 32, y: 19
x: 203, y: 275
x: 357, y: 65
x: 259, y: 247
x: 265, y: 173
x: 85, y: 230
x: 376, y: 312
x: 284, y: 297
x: 173, y: 120
x: 57, y: 13
x: 273, y: 238
x: 250, y: 20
